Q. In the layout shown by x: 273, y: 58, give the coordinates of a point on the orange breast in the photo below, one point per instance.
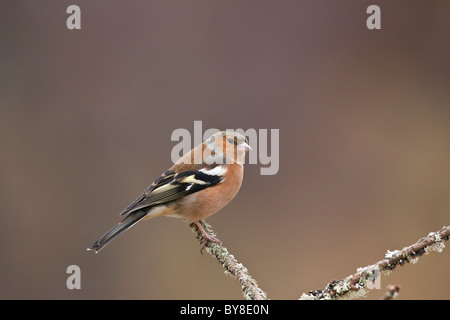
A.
x: 205, y: 203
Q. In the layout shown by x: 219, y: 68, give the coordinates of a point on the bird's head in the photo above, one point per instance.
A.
x: 229, y: 145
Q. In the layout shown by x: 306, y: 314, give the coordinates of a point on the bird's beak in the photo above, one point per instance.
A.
x: 244, y: 147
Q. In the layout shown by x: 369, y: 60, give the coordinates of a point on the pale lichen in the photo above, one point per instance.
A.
x: 437, y: 247
x: 392, y: 254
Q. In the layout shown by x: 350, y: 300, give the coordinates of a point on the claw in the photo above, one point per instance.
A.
x: 207, y: 237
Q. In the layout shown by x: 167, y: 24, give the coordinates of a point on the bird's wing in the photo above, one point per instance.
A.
x: 173, y: 185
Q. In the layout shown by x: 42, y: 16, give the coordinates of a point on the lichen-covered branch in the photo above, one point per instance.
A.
x: 232, y: 267
x: 355, y: 285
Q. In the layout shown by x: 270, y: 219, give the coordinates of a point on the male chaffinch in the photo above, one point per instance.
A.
x: 198, y: 185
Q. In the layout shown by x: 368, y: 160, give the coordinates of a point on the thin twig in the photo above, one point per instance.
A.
x: 355, y: 285
x: 249, y: 286
x: 391, y: 292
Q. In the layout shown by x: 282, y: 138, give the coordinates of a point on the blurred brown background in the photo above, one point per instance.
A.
x: 86, y: 118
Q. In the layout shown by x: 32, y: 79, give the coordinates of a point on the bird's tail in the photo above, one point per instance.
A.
x: 122, y: 226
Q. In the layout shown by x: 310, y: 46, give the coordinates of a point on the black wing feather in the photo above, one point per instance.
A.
x: 171, y: 186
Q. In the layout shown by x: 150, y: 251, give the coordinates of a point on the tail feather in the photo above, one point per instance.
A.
x: 122, y: 226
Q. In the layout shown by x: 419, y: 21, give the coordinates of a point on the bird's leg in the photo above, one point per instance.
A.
x: 206, y: 237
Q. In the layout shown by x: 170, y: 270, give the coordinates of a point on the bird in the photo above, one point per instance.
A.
x: 198, y: 185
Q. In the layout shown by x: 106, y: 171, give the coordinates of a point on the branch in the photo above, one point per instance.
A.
x: 355, y: 285
x: 249, y: 286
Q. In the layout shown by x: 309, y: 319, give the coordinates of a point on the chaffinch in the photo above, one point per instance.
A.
x: 198, y: 185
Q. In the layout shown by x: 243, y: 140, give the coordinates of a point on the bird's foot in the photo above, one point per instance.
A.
x: 209, y: 238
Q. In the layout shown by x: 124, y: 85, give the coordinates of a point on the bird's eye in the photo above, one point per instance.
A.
x: 230, y: 140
